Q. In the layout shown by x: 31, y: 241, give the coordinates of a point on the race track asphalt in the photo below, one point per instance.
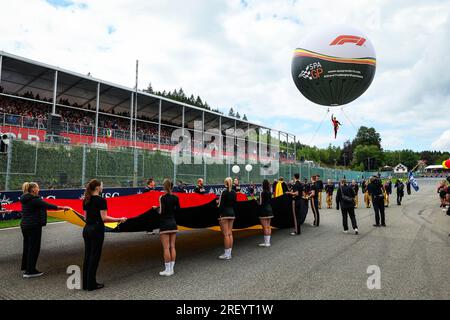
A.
x: 412, y: 252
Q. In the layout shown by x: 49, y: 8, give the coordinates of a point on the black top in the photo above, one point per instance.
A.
x: 329, y: 188
x: 93, y: 208
x: 34, y: 211
x: 147, y: 189
x: 355, y: 188
x: 349, y: 192
x: 400, y: 187
x: 306, y: 188
x: 313, y: 187
x: 236, y: 188
x: 266, y: 197
x: 375, y: 189
x: 199, y: 190
x: 297, y: 187
x: 388, y: 187
x: 319, y: 184
x: 170, y: 205
x: 227, y: 200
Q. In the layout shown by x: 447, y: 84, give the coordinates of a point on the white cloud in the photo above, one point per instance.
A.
x: 235, y: 55
x: 443, y: 142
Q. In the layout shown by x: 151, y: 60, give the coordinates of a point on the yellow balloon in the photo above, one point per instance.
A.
x: 443, y: 164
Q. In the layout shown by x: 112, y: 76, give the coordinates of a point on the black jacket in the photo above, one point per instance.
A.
x: 349, y: 192
x: 34, y: 211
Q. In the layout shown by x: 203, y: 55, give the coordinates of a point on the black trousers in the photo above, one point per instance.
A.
x: 31, y: 248
x: 348, y: 212
x: 399, y: 198
x: 315, y: 209
x: 304, y: 205
x: 93, y: 236
x: 378, y: 206
x: 297, y: 213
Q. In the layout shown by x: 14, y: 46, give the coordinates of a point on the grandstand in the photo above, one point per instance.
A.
x: 97, y: 111
x: 120, y: 135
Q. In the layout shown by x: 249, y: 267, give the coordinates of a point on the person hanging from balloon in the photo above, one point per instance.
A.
x: 336, y: 125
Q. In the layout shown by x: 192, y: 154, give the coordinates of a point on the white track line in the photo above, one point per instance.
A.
x: 50, y: 223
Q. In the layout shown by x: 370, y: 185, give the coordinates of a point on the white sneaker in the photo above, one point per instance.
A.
x: 166, y: 273
x: 225, y: 257
x: 33, y: 275
x: 264, y: 244
x: 345, y: 231
x: 356, y: 231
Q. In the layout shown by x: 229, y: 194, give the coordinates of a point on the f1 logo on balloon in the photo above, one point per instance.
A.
x: 359, y: 41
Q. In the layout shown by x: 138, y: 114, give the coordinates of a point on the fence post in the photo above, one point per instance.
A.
x: 204, y: 170
x: 135, y: 167
x: 175, y: 169
x: 8, y: 165
x: 83, y: 167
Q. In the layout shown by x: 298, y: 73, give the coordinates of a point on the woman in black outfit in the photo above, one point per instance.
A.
x: 266, y: 213
x: 34, y: 217
x: 169, y: 205
x: 95, y: 211
x: 400, y: 191
x: 226, y: 205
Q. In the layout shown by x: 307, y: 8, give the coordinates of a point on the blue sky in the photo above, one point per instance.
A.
x: 238, y: 53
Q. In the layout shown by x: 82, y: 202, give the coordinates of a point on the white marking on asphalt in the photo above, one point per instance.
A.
x: 12, y: 228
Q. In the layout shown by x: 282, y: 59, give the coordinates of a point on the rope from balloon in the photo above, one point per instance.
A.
x: 320, y: 124
x: 342, y: 109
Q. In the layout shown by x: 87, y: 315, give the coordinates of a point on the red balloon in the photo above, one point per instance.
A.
x: 447, y: 164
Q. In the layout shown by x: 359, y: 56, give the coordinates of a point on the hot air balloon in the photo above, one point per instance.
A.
x: 446, y: 164
x: 334, y: 66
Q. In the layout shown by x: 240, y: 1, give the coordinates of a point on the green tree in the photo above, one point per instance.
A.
x: 149, y: 88
x: 370, y: 156
x: 367, y: 137
x: 346, y: 157
x: 199, y: 102
x: 231, y: 112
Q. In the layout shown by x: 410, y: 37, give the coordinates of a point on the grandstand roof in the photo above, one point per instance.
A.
x: 19, y: 74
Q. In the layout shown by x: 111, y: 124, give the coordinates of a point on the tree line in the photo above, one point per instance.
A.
x: 365, y: 153
x: 180, y: 96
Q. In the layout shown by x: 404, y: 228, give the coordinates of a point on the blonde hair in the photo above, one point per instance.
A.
x: 28, y: 186
x: 167, y: 186
x: 228, y: 183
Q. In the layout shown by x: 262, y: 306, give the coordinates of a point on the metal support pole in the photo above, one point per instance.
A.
x: 96, y: 163
x: 83, y: 167
x: 159, y: 124
x: 97, y: 108
x: 295, y: 148
x: 8, y: 165
x: 135, y: 103
x: 202, y: 145
x: 1, y: 63
x: 235, y: 143
x: 131, y: 118
x: 55, y: 88
x: 135, y: 167
x: 220, y: 138
x: 182, y: 122
x: 175, y: 169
